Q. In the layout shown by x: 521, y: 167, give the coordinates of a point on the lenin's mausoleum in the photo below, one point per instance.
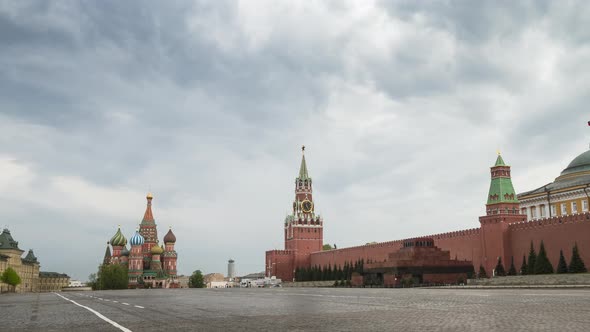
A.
x: 556, y: 214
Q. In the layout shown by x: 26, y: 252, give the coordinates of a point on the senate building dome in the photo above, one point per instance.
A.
x: 569, y: 194
x: 580, y: 164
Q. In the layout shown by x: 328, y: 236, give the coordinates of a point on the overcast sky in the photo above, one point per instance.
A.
x: 401, y: 105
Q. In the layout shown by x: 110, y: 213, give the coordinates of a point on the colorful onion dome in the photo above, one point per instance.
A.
x: 170, y: 237
x: 136, y: 239
x: 157, y: 250
x: 118, y: 239
x: 124, y: 251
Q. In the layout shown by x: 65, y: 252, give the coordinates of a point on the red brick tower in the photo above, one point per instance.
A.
x: 170, y: 256
x: 502, y: 209
x: 148, y: 230
x: 135, y: 259
x: 303, y: 228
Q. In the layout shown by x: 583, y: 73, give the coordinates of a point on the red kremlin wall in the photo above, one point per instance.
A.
x: 557, y: 233
x: 462, y: 244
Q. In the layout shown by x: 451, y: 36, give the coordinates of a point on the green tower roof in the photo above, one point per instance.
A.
x: 499, y: 161
x: 501, y: 189
x: 30, y: 257
x: 6, y: 241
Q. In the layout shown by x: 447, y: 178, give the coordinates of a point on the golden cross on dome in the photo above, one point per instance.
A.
x: 498, y: 151
x: 303, y: 148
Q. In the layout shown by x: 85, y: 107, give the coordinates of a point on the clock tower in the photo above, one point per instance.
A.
x: 303, y: 227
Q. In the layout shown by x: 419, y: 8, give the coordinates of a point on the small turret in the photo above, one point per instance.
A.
x: 107, y: 255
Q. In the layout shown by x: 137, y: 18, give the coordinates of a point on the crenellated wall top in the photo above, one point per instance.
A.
x: 556, y: 220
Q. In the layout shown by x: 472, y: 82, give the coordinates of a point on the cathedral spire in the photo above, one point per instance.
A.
x: 148, y: 216
x: 303, y: 169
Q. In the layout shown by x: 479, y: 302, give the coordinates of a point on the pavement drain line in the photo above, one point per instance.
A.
x: 101, y: 316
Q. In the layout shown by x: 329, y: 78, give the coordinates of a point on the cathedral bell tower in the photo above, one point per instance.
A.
x: 303, y: 227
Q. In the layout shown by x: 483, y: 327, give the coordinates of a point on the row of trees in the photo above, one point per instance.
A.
x: 114, y: 276
x: 321, y: 273
x: 540, y: 264
x: 10, y: 277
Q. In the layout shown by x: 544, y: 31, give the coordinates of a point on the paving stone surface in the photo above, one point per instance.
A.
x: 300, y: 309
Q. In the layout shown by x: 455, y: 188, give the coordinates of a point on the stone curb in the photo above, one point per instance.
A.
x: 509, y: 287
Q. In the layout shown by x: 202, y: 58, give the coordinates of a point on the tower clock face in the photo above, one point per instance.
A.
x: 306, y: 206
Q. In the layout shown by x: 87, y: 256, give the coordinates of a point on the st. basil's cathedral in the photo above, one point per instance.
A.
x: 149, y: 264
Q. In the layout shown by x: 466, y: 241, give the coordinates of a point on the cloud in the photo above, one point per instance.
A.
x: 402, y: 106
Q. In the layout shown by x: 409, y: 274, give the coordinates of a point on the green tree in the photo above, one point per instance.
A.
x: 482, y: 272
x: 562, y: 265
x: 327, y: 246
x: 92, y: 281
x: 512, y: 269
x: 576, y: 263
x: 542, y: 263
x: 112, y: 276
x: 500, y: 268
x: 524, y: 268
x: 196, y: 280
x: 532, y: 259
x: 11, y: 278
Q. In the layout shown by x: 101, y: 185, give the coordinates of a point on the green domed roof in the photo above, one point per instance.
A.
x: 118, y: 239
x: 579, y: 164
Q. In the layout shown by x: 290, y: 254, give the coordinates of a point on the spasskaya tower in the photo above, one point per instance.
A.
x: 303, y: 231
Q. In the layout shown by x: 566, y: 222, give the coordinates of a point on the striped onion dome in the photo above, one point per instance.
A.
x: 118, y: 239
x: 157, y: 250
x: 124, y: 251
x: 136, y: 239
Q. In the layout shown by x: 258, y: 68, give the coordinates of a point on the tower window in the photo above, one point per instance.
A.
x: 585, y: 205
x: 574, y: 207
x: 563, y: 209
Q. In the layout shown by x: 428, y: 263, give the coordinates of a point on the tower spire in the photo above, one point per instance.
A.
x: 148, y: 215
x: 303, y: 168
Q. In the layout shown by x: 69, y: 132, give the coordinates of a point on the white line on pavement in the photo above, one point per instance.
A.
x: 115, y: 301
x: 124, y: 303
x: 138, y: 306
x: 115, y: 324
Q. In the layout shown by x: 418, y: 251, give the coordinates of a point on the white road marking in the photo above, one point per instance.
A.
x: 138, y: 306
x: 124, y: 303
x: 100, y: 298
x: 107, y: 300
x: 101, y: 316
x: 115, y: 301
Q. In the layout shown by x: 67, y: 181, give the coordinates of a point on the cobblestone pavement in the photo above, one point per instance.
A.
x: 300, y: 309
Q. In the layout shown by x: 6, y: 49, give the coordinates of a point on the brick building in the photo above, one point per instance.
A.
x: 53, y: 281
x: 507, y: 229
x: 27, y: 268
